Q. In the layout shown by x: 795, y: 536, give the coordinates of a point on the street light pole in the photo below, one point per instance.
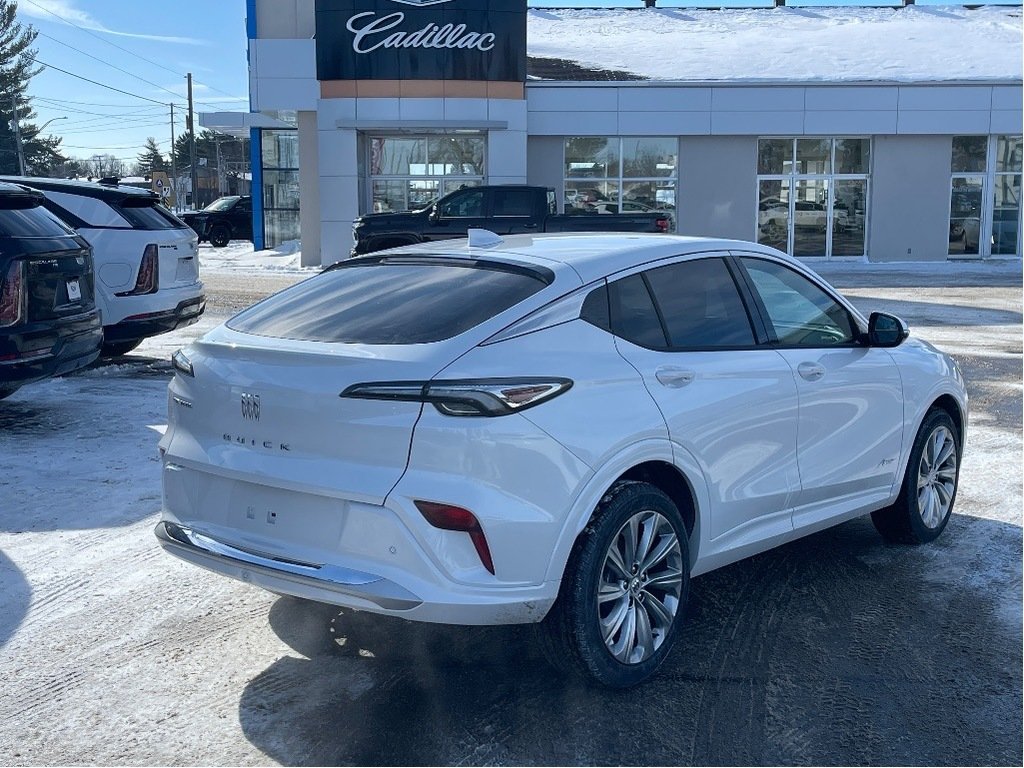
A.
x: 15, y: 124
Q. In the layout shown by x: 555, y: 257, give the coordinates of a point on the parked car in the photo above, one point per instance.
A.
x: 147, y: 259
x: 49, y: 324
x: 504, y: 209
x: 550, y: 429
x: 225, y: 219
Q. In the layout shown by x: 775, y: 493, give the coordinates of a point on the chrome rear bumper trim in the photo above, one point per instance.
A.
x: 204, y: 549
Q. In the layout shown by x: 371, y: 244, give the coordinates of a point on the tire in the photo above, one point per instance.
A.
x: 928, y: 493
x: 220, y: 236
x: 573, y: 634
x: 118, y: 348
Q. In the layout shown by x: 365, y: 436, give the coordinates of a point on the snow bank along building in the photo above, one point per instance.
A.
x: 886, y: 133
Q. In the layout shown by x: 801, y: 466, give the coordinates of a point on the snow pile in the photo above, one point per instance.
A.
x: 789, y: 43
x: 240, y: 256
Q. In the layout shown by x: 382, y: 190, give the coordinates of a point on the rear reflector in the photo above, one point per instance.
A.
x: 12, y: 295
x: 148, y: 280
x: 452, y: 518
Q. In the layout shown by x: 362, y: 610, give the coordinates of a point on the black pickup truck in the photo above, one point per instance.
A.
x: 226, y: 218
x: 504, y: 210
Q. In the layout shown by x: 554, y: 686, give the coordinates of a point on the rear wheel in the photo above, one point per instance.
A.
x: 220, y: 236
x: 929, y: 487
x: 118, y: 348
x: 624, y: 593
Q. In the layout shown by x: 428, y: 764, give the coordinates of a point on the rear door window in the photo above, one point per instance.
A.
x: 633, y: 315
x: 392, y: 301
x: 701, y: 305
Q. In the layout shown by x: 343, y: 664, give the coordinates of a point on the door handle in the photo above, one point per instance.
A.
x: 811, y: 371
x: 674, y: 377
x: 530, y: 226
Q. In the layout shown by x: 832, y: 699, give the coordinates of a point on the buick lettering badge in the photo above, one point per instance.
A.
x: 250, y: 406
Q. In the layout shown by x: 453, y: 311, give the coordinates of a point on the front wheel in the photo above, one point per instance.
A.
x: 624, y: 593
x: 929, y: 487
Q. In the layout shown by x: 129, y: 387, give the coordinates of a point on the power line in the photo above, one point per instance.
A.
x: 101, y: 85
x: 120, y: 48
x: 107, y: 63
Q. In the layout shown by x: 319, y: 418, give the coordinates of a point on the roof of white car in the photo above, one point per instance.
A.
x: 592, y: 255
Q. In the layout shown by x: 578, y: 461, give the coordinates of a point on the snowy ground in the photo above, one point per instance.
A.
x: 835, y: 649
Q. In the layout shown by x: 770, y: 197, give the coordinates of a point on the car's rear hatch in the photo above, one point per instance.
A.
x: 176, y: 242
x: 264, y: 402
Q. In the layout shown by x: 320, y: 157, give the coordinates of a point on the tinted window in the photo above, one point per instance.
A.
x: 512, y: 202
x: 633, y: 315
x: 222, y: 203
x: 148, y: 214
x: 700, y: 305
x: 390, y: 302
x: 31, y: 222
x: 464, y: 206
x: 92, y: 211
x: 801, y: 313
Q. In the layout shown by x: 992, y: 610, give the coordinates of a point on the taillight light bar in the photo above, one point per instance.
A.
x: 466, y: 397
x: 448, y: 517
x: 663, y: 225
x: 148, y: 280
x: 12, y: 295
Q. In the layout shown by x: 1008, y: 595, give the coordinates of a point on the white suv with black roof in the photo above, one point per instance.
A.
x: 147, y: 259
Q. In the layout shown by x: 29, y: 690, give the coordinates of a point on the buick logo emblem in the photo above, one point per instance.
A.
x: 250, y: 406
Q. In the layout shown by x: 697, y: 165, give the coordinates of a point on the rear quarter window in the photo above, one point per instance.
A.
x: 91, y: 211
x: 143, y: 213
x: 391, y: 302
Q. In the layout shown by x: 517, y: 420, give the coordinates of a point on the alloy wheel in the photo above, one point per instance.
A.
x: 936, y: 477
x: 640, y: 587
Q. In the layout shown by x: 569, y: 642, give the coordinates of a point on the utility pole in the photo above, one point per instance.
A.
x: 174, y: 164
x: 16, y: 127
x: 192, y: 145
x: 220, y: 174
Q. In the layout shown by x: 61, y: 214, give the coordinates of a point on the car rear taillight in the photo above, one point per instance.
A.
x: 148, y: 280
x: 12, y: 295
x: 663, y: 225
x: 466, y: 397
x: 451, y: 518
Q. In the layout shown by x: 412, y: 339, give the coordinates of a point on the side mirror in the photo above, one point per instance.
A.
x: 435, y: 214
x: 886, y: 330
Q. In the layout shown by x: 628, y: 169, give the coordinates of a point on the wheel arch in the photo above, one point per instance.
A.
x: 951, y: 406
x: 653, y: 462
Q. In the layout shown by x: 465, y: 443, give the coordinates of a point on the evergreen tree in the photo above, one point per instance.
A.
x: 17, y: 67
x: 151, y: 158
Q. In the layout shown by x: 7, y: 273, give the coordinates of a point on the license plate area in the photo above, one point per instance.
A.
x: 74, y: 290
x: 186, y: 270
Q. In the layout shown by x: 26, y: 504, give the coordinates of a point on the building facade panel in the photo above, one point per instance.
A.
x: 909, y: 206
x: 758, y: 99
x: 851, y: 98
x: 563, y: 99
x: 664, y: 123
x: 930, y: 98
x: 569, y: 123
x: 717, y: 189
x: 655, y: 99
x: 860, y: 122
x: 747, y: 123
x: 943, y: 122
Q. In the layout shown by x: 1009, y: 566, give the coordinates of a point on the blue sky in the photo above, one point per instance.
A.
x: 145, y: 48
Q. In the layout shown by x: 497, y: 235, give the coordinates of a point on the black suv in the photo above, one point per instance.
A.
x: 49, y: 324
x: 226, y: 218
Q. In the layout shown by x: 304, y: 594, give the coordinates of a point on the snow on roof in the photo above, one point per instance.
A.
x: 804, y: 44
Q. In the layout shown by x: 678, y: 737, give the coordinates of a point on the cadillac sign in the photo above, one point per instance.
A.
x: 421, y: 40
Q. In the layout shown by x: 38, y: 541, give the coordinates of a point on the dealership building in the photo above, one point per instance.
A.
x: 890, y: 134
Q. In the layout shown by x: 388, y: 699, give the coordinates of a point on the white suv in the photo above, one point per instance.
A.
x: 146, y: 259
x: 556, y: 429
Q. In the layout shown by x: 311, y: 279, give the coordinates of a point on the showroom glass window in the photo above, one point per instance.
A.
x: 812, y: 195
x: 407, y: 173
x: 280, y: 152
x: 620, y: 174
x: 984, y: 196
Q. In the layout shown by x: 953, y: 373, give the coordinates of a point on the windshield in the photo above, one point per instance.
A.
x: 222, y: 203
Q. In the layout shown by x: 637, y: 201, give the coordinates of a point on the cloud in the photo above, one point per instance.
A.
x: 66, y: 12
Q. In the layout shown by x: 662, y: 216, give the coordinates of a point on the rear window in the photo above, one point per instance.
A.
x: 222, y: 204
x: 91, y: 211
x: 35, y: 221
x: 392, y: 301
x: 143, y: 213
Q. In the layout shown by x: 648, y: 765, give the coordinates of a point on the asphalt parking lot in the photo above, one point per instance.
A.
x: 837, y: 649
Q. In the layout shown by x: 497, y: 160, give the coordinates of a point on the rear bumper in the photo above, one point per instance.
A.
x: 53, y: 348
x: 276, y: 574
x: 349, y: 588
x: 149, y: 324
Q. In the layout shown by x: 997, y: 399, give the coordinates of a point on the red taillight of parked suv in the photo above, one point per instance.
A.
x: 12, y: 295
x: 148, y: 280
